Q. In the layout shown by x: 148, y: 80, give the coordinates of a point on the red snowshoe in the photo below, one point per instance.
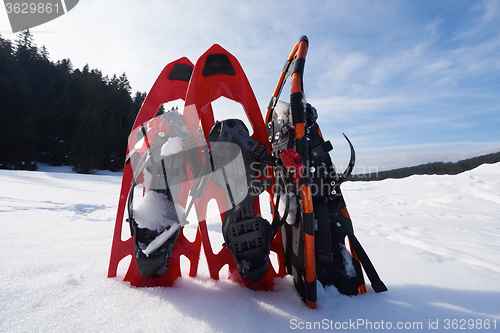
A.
x: 148, y: 136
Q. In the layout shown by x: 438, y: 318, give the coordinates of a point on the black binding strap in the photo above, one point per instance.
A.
x: 375, y: 280
x: 321, y: 149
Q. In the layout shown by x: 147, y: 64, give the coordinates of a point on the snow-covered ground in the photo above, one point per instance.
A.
x: 435, y: 241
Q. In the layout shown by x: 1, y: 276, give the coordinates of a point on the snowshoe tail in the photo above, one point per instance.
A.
x: 218, y: 74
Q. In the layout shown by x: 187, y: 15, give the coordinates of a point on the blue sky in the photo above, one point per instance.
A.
x: 408, y: 81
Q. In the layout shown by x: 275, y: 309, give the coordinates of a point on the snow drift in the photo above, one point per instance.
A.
x: 433, y: 239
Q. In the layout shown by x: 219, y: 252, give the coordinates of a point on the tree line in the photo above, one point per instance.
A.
x: 52, y: 113
x: 436, y: 168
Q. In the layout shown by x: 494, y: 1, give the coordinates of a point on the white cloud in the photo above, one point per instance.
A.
x: 485, y: 17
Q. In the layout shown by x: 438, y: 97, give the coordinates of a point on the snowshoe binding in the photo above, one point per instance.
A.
x: 156, y: 222
x: 153, y: 247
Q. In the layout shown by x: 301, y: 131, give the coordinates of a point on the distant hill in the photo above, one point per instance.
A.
x: 436, y: 168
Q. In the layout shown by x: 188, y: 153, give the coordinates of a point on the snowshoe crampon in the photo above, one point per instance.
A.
x: 183, y: 161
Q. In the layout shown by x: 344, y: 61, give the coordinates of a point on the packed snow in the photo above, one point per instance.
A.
x: 156, y: 212
x: 171, y: 147
x: 433, y: 239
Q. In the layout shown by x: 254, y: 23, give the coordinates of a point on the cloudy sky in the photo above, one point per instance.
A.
x: 409, y: 82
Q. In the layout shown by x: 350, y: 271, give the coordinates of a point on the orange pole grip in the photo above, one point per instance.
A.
x: 300, y: 130
x: 306, y: 198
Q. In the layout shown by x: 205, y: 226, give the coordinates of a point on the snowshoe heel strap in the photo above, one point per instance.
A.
x: 154, y: 264
x: 376, y: 283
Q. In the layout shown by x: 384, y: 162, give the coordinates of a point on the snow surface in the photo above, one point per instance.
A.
x: 433, y: 239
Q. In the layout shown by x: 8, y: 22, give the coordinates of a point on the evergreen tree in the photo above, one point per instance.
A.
x: 138, y: 100
x: 53, y: 113
x: 87, y: 144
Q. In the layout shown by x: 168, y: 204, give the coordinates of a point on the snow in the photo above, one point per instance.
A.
x: 171, y: 147
x: 155, y: 212
x: 282, y: 111
x: 433, y: 239
x: 346, y: 256
x: 292, y: 206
